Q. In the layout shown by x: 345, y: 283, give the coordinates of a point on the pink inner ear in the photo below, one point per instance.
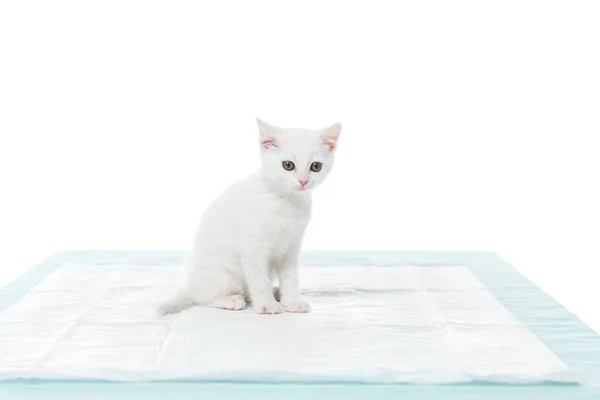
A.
x: 269, y: 142
x: 330, y: 142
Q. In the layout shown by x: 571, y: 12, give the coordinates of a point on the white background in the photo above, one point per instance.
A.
x: 466, y: 125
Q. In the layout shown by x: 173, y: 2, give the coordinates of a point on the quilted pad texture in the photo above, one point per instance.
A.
x: 408, y: 324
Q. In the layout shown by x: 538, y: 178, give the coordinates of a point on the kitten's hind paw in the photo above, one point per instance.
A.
x: 270, y: 306
x: 232, y: 302
x: 296, y: 306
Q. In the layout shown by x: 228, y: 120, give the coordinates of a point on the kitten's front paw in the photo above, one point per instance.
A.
x: 296, y: 305
x: 270, y: 306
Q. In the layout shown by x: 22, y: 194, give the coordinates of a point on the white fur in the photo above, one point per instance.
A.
x: 253, y: 232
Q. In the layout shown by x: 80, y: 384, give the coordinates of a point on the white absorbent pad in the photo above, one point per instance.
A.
x: 368, y: 324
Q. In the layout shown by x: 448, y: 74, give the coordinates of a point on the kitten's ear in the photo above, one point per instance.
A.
x: 267, y: 133
x: 330, y: 136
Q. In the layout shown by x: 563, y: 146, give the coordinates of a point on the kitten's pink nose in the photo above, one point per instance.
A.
x: 303, y: 182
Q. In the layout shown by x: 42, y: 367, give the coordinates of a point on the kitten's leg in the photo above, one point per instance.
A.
x: 207, y: 283
x: 231, y: 302
x: 289, y: 291
x: 260, y: 286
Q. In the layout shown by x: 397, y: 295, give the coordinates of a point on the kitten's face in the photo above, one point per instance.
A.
x: 297, y: 160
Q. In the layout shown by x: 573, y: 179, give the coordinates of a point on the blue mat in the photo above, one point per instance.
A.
x: 572, y: 341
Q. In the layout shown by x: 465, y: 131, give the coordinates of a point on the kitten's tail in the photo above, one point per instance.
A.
x: 177, y: 303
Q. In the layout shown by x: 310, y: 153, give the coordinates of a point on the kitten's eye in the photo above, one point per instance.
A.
x: 316, y: 166
x: 288, y: 165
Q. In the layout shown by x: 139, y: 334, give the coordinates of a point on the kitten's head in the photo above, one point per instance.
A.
x: 297, y: 160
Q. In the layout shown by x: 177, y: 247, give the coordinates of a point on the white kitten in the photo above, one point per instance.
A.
x: 253, y: 232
